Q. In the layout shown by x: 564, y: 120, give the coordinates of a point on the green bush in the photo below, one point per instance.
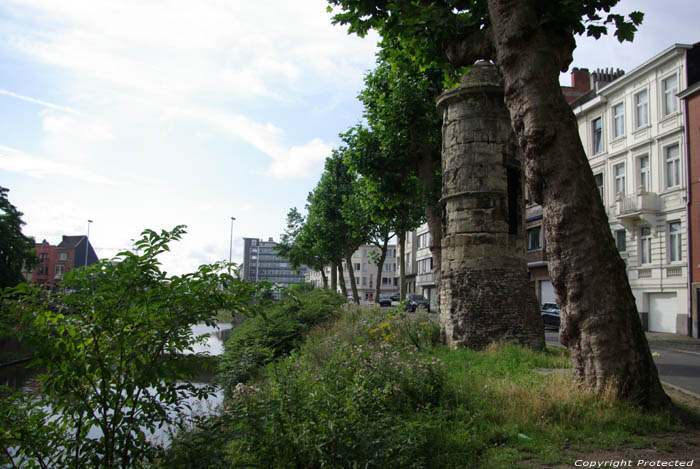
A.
x: 277, y: 330
x: 362, y: 408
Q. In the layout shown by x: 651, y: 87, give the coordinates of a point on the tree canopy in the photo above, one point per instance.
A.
x: 17, y: 251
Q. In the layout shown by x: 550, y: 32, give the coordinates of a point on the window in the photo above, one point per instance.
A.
x: 254, y: 242
x: 60, y: 269
x: 599, y: 184
x: 670, y: 88
x: 621, y: 240
x: 645, y: 246
x: 386, y: 281
x: 423, y: 240
x: 425, y: 266
x: 62, y: 256
x: 597, y: 129
x: 396, y: 281
x: 534, y: 238
x: 619, y: 173
x: 644, y: 179
x: 674, y: 242
x: 618, y: 112
x: 641, y: 103
x: 43, y: 257
x: 357, y: 267
x: 673, y: 166
x: 364, y: 281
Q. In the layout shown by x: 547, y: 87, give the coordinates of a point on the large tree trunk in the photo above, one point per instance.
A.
x: 599, y: 324
x: 324, y: 277
x: 428, y: 163
x: 334, y: 276
x: 380, y: 268
x: 351, y: 272
x: 402, y: 263
x: 341, y: 279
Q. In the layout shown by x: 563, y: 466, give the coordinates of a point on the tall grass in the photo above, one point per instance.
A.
x: 368, y: 388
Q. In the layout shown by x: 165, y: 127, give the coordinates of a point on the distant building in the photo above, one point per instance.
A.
x: 56, y: 261
x: 420, y: 275
x: 365, y: 269
x: 261, y: 262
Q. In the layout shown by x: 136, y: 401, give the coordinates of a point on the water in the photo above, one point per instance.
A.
x: 20, y: 377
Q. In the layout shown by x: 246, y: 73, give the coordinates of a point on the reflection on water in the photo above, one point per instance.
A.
x: 21, y: 377
x: 214, y: 344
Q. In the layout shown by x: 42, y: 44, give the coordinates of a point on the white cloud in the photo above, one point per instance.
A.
x: 300, y: 161
x: 40, y: 102
x: 18, y: 162
x: 72, y: 128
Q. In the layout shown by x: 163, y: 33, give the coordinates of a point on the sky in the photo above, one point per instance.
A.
x: 149, y: 114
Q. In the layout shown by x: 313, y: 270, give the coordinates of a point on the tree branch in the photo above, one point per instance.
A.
x: 468, y: 49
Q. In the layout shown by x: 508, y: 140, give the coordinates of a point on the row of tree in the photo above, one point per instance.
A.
x: 383, y: 180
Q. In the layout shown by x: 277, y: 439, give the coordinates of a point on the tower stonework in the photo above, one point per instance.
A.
x: 485, y: 293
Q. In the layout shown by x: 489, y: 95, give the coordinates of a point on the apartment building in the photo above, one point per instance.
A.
x: 633, y: 131
x: 261, y: 262
x: 364, y: 261
x: 56, y: 261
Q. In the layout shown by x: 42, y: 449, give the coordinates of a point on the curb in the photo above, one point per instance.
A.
x: 679, y: 389
x: 671, y: 349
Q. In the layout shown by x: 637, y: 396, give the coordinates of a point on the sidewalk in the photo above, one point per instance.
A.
x: 678, y: 342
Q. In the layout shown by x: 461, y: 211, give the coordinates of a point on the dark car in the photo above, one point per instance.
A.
x: 385, y: 300
x: 415, y: 301
x: 550, y: 315
x: 395, y: 297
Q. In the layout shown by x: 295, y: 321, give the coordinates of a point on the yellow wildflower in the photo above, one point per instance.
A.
x: 422, y: 323
x: 372, y: 331
x: 384, y: 325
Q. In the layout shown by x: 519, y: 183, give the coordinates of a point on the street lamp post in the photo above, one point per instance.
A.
x: 230, y: 247
x: 87, y: 243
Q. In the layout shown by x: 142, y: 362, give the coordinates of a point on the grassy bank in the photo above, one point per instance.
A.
x: 371, y: 389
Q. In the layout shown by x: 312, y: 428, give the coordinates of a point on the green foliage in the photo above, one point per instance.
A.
x: 276, y: 331
x: 111, y: 345
x: 16, y: 250
x: 426, y: 28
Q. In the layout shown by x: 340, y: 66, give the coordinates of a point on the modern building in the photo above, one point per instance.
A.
x: 364, y: 261
x: 56, y: 261
x: 261, y: 262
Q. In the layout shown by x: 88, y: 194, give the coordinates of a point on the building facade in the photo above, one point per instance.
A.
x: 691, y: 105
x: 364, y: 261
x: 261, y: 262
x: 56, y: 261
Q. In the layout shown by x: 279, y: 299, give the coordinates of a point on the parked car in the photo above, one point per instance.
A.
x: 395, y: 297
x: 415, y: 301
x: 385, y: 299
x: 550, y: 315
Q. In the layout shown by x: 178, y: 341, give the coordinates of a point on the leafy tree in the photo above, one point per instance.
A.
x: 16, y: 250
x: 112, y: 345
x: 336, y: 215
x: 531, y: 42
x: 298, y: 245
x: 391, y: 190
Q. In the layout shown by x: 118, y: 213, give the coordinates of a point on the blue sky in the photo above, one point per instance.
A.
x: 151, y: 114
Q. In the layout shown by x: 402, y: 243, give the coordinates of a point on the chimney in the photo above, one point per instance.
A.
x: 580, y: 79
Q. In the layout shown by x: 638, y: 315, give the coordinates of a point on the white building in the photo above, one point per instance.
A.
x: 365, y: 269
x: 633, y: 131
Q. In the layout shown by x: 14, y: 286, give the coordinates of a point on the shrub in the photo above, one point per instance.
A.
x: 277, y: 330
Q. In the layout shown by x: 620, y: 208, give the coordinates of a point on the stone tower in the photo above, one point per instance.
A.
x: 485, y: 293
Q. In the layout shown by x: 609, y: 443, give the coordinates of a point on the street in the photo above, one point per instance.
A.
x: 676, y: 358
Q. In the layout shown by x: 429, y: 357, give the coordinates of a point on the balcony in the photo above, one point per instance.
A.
x: 425, y: 279
x: 640, y: 207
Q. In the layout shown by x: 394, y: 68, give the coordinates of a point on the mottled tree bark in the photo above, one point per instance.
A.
x: 380, y: 269
x: 428, y: 163
x: 351, y: 272
x: 341, y: 279
x: 600, y: 323
x: 334, y: 276
x: 324, y: 277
